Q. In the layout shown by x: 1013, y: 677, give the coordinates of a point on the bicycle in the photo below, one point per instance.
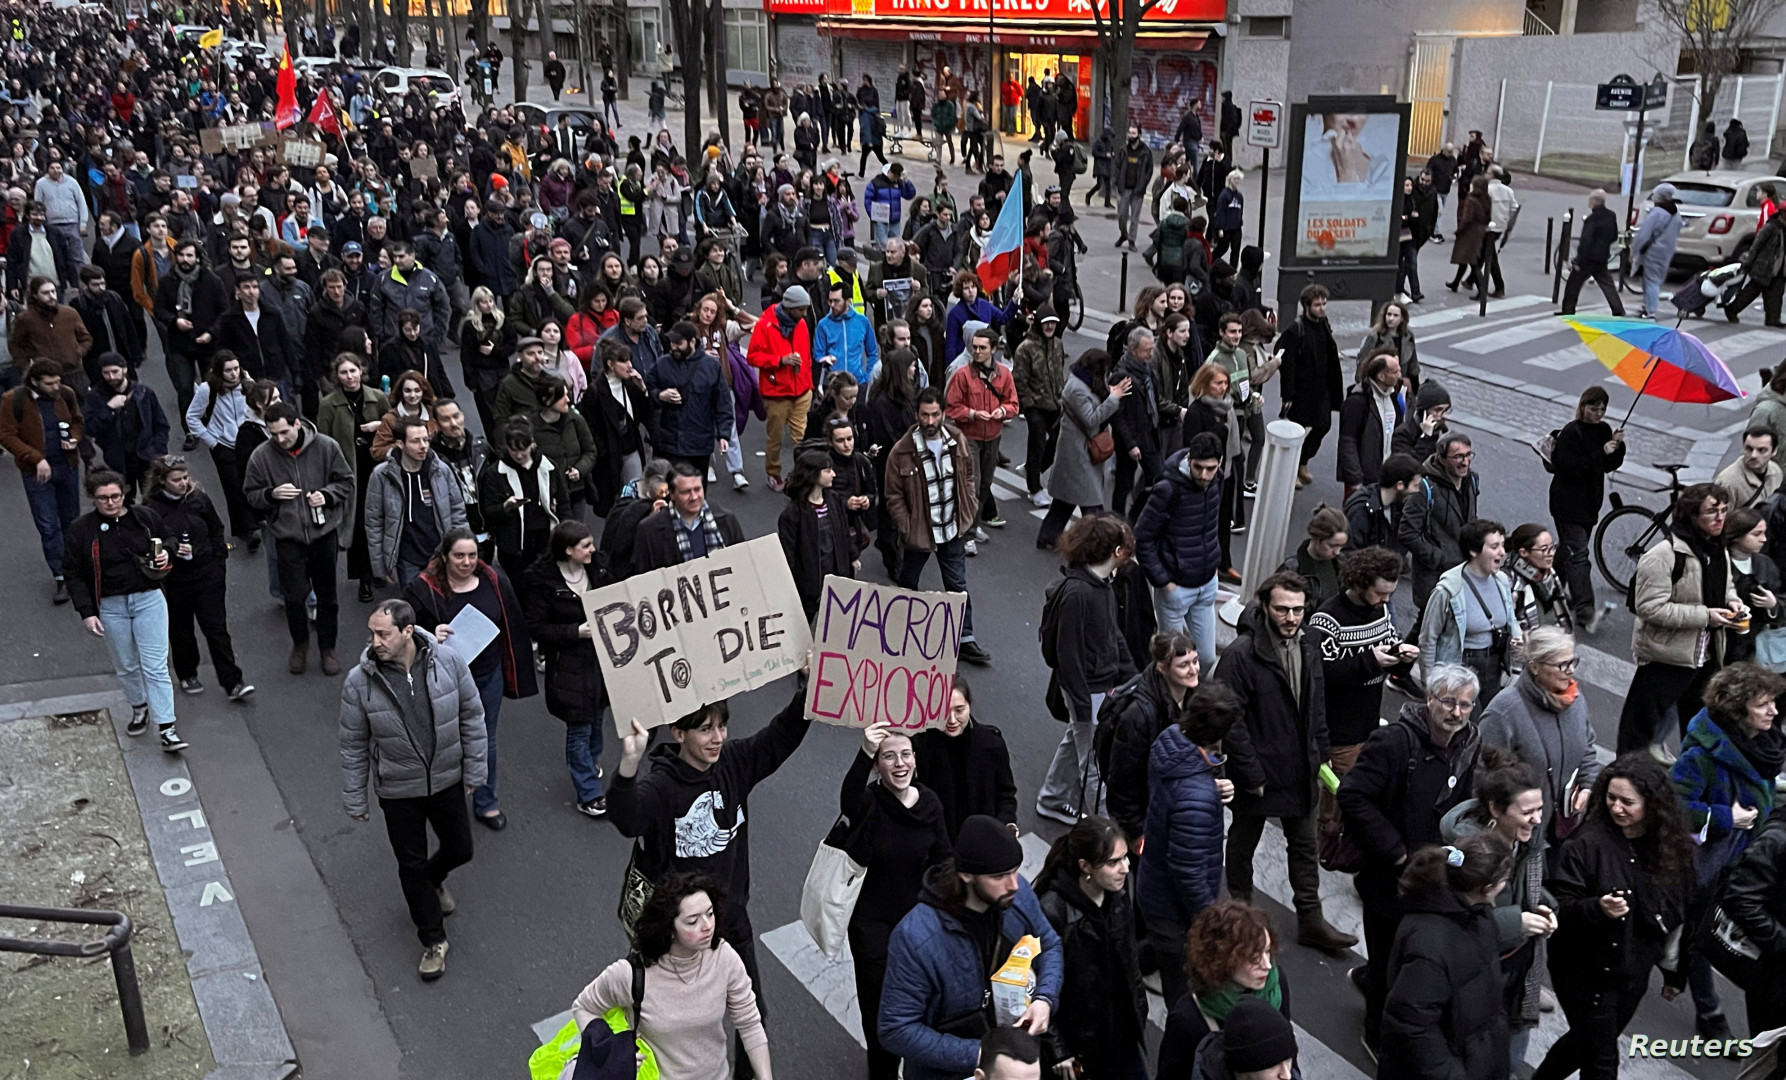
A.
x: 1069, y: 298
x: 1624, y: 535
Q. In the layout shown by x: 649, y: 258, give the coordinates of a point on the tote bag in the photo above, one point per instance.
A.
x: 833, y: 884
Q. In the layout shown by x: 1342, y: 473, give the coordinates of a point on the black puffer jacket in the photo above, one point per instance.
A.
x: 575, y: 692
x: 1443, y: 1018
x: 1274, y: 751
x: 1102, y: 1002
x: 1143, y: 708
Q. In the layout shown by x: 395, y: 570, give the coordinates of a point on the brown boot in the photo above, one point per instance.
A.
x: 1303, y: 479
x: 298, y: 660
x: 330, y: 666
x: 1314, y: 931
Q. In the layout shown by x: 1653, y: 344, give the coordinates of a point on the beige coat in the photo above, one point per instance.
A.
x: 1747, y: 489
x: 1670, y: 620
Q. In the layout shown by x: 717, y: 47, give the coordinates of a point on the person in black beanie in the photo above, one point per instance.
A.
x: 933, y: 1010
x: 1257, y: 1043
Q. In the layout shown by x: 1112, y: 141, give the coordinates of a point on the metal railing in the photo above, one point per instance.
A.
x: 116, y: 942
x: 1537, y: 26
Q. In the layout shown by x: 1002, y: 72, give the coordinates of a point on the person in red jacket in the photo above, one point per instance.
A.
x: 781, y: 348
x: 982, y: 396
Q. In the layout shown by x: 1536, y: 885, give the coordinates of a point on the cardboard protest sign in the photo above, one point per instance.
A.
x: 425, y: 168
x: 210, y: 140
x: 884, y: 654
x: 240, y: 136
x: 300, y: 151
x: 672, y: 640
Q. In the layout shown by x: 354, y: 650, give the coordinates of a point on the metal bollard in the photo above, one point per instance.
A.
x: 1562, y: 255
x: 1270, y: 526
x: 1550, y: 234
x: 1122, y: 293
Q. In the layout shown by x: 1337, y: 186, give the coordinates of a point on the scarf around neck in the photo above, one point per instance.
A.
x: 1217, y: 1004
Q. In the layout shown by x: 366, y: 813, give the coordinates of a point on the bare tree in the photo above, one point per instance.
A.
x: 1118, y: 22
x: 1716, y: 33
x: 688, y: 22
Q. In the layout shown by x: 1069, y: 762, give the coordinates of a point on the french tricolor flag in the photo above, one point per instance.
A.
x: 1003, y: 252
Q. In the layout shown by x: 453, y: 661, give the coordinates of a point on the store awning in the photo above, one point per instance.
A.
x: 1028, y: 35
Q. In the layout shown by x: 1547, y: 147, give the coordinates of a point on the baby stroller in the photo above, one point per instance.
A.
x: 1720, y: 284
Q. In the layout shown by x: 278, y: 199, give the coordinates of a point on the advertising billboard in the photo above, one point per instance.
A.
x: 1347, y: 162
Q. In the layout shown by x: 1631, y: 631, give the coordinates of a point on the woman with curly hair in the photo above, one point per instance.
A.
x: 1725, y: 777
x: 1622, y: 884
x: 1231, y: 954
x: 694, y: 982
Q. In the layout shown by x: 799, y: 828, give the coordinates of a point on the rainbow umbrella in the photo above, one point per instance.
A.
x: 1656, y: 359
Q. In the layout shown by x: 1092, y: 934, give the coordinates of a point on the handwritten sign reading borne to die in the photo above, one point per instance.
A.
x: 884, y: 654
x: 672, y: 640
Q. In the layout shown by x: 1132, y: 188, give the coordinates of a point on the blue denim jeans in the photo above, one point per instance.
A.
x: 54, y: 506
x: 951, y: 559
x: 583, y: 754
x: 136, y: 636
x: 483, y: 799
x: 1190, y: 608
x: 826, y: 241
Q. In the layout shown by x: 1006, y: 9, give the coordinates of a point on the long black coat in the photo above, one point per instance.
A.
x: 575, y: 692
x: 1310, y: 379
x: 1578, y: 487
x: 798, y: 528
x: 1102, y: 1003
x: 1279, y: 744
x: 970, y: 773
x: 616, y: 435
x: 1444, y: 1008
x: 656, y: 547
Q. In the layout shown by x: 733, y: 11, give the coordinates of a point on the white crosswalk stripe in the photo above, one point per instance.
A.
x: 1423, y: 321
x: 1563, y: 359
x: 1541, y: 326
x: 1744, y: 342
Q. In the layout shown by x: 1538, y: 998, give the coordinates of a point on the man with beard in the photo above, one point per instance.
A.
x: 900, y: 278
x: 257, y: 334
x: 30, y: 251
x: 1134, y: 172
x: 353, y: 268
x: 1310, y: 379
x: 188, y: 302
x: 50, y: 330
x: 931, y: 500
x: 125, y: 421
x: 973, y: 904
x: 314, y: 258
x: 410, y: 286
x: 693, y: 396
x: 111, y: 324
x: 41, y: 427
x: 464, y: 453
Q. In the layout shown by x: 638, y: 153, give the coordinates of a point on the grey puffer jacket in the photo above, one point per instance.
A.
x: 376, y: 741
x: 384, y: 506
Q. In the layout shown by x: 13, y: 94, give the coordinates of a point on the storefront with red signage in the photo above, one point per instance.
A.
x: 1176, y: 60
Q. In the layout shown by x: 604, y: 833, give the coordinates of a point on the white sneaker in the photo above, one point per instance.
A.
x: 711, y: 478
x: 1042, y: 499
x: 971, y: 548
x: 981, y: 535
x: 739, y: 481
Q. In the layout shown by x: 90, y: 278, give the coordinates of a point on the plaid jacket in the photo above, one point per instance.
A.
x: 920, y: 489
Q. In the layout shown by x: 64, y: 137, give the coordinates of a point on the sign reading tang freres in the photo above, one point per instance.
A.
x: 884, y: 654
x: 672, y: 640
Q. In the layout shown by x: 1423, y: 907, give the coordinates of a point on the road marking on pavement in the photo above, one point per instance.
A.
x: 1563, y: 359
x: 1751, y: 384
x: 1747, y: 341
x: 1466, y: 311
x: 1512, y: 336
x: 1598, y: 668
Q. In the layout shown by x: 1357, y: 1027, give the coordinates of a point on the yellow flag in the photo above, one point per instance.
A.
x: 210, y: 39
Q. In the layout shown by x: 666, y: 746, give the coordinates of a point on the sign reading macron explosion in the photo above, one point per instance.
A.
x: 672, y: 640
x: 883, y: 655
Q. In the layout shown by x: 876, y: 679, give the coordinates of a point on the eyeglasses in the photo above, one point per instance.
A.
x: 119, y: 497
x: 1279, y: 609
x: 1465, y: 456
x: 1567, y: 667
x: 1455, y: 705
x: 1543, y: 549
x: 892, y: 756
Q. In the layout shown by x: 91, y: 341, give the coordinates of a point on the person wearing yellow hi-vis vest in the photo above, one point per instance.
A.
x: 632, y: 211
x: 694, y: 982
x: 847, y: 271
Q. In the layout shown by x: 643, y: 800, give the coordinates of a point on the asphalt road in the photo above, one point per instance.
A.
x: 535, y: 919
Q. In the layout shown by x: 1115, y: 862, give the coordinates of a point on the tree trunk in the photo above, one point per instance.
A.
x: 543, y: 9
x: 404, y: 51
x: 518, y: 39
x: 480, y: 21
x: 1711, y: 81
x: 1122, y: 69
x: 685, y: 25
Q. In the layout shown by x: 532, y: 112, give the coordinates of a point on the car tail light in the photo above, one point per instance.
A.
x: 1721, y: 224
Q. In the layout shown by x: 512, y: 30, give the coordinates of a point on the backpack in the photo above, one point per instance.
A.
x: 1103, y: 740
x: 1049, y: 631
x: 1674, y: 578
x: 1081, y: 160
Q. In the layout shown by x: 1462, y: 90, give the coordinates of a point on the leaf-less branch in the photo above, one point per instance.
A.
x: 1716, y: 32
x: 1117, y: 29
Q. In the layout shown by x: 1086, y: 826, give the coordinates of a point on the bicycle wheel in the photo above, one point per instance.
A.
x: 1075, y: 314
x: 1621, y: 539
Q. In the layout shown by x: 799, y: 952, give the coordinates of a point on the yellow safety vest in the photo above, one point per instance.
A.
x: 856, y: 302
x: 628, y: 208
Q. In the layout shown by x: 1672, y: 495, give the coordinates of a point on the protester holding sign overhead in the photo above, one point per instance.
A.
x: 897, y: 832
x: 686, y: 812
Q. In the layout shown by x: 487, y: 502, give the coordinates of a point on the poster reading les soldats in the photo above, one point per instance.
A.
x: 883, y: 655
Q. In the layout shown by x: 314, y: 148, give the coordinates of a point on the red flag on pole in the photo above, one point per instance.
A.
x: 286, y: 114
x: 322, y: 114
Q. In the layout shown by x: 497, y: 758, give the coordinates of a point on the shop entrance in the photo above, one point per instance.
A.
x: 1016, y: 69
